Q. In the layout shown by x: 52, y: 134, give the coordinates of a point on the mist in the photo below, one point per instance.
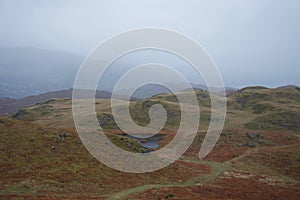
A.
x: 252, y: 42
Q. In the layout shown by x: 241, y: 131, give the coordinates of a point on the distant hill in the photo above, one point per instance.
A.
x: 291, y: 87
x: 256, y: 108
x: 9, y: 106
x: 28, y: 71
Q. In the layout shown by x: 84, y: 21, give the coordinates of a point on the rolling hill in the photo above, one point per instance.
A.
x: 257, y: 156
x: 9, y: 106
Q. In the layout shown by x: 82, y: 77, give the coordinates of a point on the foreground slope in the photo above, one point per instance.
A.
x: 42, y: 161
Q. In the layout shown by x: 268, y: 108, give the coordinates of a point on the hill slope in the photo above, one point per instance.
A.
x: 39, y: 161
x: 250, y: 161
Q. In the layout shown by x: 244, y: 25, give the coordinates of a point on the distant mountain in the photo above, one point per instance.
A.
x: 216, y: 90
x: 29, y: 71
x: 151, y: 90
x: 290, y: 87
x: 9, y: 106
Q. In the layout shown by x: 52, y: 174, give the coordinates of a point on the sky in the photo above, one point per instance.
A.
x: 253, y: 42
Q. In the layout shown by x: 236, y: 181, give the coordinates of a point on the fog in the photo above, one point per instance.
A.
x: 253, y: 42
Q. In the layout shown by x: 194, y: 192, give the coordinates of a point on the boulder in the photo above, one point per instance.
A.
x: 250, y: 135
x: 253, y: 135
x: 248, y: 144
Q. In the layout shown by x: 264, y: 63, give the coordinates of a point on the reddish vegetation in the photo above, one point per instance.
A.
x: 281, y: 160
x: 32, y: 166
x: 224, y: 188
x: 224, y: 152
x: 193, y: 166
x: 32, y: 169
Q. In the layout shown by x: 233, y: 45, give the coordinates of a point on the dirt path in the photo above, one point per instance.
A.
x: 216, y: 170
x: 252, y: 151
x: 269, y: 175
x: 246, y: 154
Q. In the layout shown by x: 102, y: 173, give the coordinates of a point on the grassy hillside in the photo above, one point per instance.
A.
x: 274, y: 109
x: 258, y: 151
x: 255, y: 108
x: 37, y: 160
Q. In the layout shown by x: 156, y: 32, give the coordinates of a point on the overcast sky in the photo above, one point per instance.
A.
x: 254, y: 42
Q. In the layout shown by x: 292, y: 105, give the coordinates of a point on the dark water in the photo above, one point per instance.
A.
x: 151, y: 142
